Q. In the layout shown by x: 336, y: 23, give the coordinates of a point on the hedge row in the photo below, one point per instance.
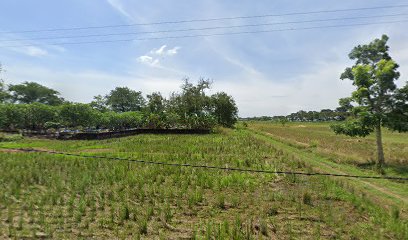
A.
x: 80, y: 116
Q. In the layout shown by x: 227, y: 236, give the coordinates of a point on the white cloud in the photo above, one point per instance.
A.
x: 163, y: 52
x: 28, y: 47
x: 35, y: 51
x: 153, y: 57
x: 173, y: 51
x: 29, y: 51
x: 159, y: 51
x: 148, y: 60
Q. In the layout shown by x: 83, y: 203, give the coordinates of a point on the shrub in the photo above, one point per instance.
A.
x: 307, y: 198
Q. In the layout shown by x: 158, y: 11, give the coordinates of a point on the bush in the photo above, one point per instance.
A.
x: 10, y: 137
x: 77, y: 114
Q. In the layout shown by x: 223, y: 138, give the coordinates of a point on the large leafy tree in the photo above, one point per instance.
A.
x: 30, y: 92
x: 224, y: 109
x: 192, y: 101
x: 123, y: 99
x: 376, y: 102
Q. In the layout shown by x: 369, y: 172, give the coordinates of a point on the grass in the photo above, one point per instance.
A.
x: 69, y: 197
x: 361, y: 152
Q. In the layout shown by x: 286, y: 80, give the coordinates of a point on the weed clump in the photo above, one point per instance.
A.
x: 272, y: 211
x: 221, y: 201
x: 307, y: 198
x: 395, y: 213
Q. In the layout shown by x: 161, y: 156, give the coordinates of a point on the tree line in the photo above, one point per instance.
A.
x: 338, y: 114
x: 31, y: 106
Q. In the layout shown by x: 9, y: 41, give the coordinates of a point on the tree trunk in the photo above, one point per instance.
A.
x: 380, y: 152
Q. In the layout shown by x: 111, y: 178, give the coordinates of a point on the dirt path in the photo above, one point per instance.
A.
x: 375, y: 186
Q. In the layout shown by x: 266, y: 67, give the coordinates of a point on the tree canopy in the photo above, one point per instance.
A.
x: 30, y: 92
x: 123, y: 99
x: 121, y: 109
x: 224, y: 109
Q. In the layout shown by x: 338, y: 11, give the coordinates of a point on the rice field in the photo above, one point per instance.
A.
x: 63, y: 197
x: 318, y: 137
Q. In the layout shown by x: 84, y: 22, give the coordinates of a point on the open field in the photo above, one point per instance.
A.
x: 319, y: 138
x: 69, y: 197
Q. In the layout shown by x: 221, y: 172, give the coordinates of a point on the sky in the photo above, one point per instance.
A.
x: 271, y: 73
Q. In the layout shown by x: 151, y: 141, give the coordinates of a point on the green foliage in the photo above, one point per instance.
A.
x: 99, y: 103
x: 37, y: 115
x: 10, y: 137
x: 283, y: 121
x: 123, y: 99
x: 353, y: 127
x: 120, y: 121
x: 77, y: 114
x: 192, y: 100
x: 12, y: 117
x: 398, y: 114
x: 4, y: 95
x: 224, y: 109
x: 156, y: 103
x: 122, y: 109
x: 30, y: 92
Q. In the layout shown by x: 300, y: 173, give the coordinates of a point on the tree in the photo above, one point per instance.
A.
x: 4, y: 94
x: 99, y: 103
x: 376, y: 102
x: 12, y: 116
x: 156, y: 103
x: 122, y: 121
x: 192, y: 100
x: 78, y: 115
x: 38, y: 114
x: 30, y: 92
x: 224, y: 109
x: 123, y: 99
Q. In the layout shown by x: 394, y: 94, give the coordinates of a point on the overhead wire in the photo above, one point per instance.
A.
x: 204, y: 28
x: 212, y: 19
x: 207, y: 166
x: 207, y: 35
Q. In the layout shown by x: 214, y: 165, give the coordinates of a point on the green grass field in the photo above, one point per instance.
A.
x: 58, y: 197
x: 340, y: 148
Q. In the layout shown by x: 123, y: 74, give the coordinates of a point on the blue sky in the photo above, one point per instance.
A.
x: 267, y: 73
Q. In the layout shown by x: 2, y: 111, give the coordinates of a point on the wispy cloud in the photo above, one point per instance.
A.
x: 118, y: 6
x: 29, y: 51
x: 35, y: 51
x: 153, y: 57
x: 28, y: 47
x: 163, y: 52
x: 148, y: 60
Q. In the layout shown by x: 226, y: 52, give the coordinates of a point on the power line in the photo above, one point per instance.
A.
x: 205, y: 28
x: 206, y: 166
x: 211, y: 19
x: 208, y: 35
